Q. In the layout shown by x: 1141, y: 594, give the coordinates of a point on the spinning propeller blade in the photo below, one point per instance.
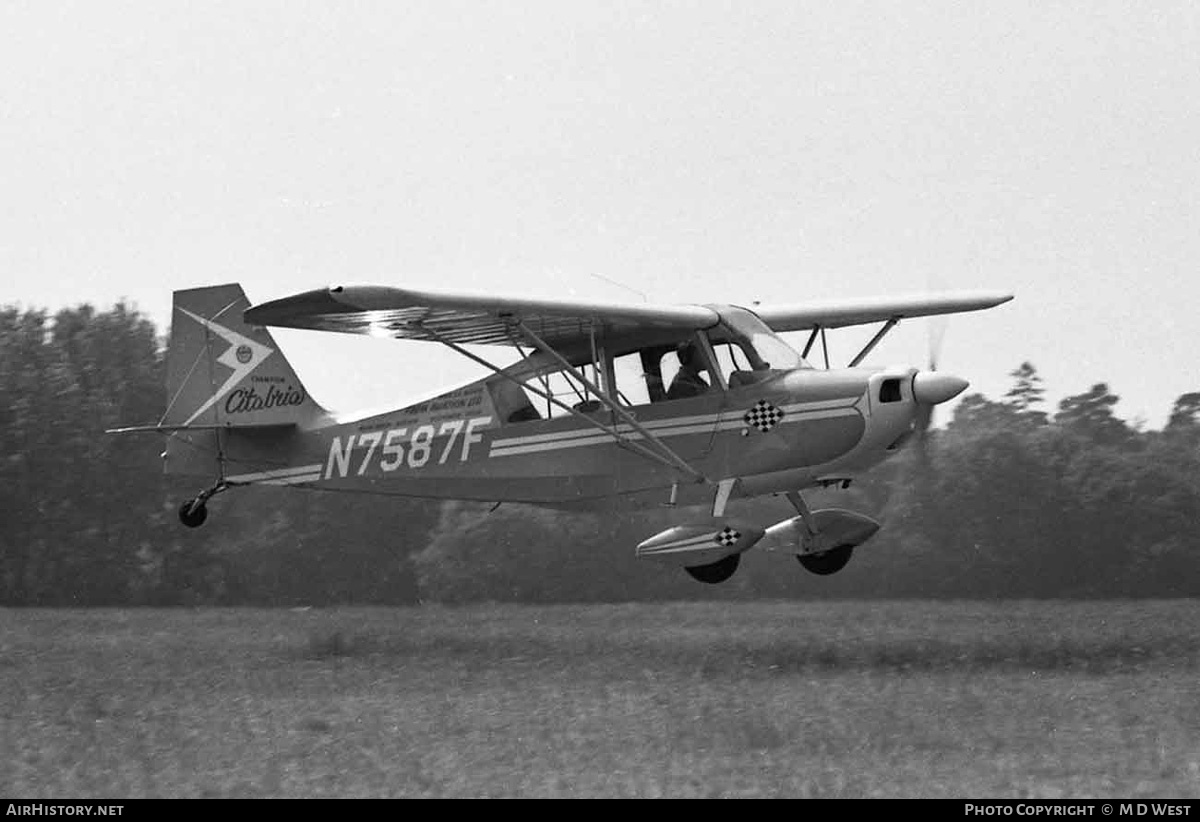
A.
x: 930, y: 388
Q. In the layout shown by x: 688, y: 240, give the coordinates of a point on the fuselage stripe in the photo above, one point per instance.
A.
x: 290, y: 480
x: 279, y: 473
x: 504, y: 448
x: 651, y: 425
x: 657, y: 425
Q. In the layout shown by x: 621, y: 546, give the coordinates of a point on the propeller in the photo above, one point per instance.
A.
x: 931, y: 387
x: 935, y: 335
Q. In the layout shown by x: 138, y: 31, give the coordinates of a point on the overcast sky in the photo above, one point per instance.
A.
x: 676, y: 151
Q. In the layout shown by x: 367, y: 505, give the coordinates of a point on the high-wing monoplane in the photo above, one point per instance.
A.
x: 689, y: 406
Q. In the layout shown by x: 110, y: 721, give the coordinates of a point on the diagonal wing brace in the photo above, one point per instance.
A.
x: 666, y: 457
x: 669, y: 456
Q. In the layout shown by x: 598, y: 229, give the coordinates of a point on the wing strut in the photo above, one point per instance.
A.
x: 676, y: 464
x: 819, y: 332
x: 671, y: 457
x: 887, y: 326
x: 812, y: 338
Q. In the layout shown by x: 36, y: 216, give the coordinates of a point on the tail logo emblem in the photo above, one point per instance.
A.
x: 243, y: 356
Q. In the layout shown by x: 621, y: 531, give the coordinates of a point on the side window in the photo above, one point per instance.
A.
x: 635, y: 384
x: 650, y: 374
x: 731, y: 357
x: 688, y: 372
x: 567, y: 390
x: 734, y: 362
x: 564, y: 389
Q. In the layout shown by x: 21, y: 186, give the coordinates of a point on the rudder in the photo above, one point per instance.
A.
x: 224, y: 373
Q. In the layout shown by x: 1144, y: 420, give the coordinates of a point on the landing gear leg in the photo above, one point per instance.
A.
x: 801, y: 507
x: 826, y: 562
x: 194, y: 512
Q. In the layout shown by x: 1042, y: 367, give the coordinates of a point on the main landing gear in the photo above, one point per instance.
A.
x: 194, y: 512
x: 715, y: 572
x: 825, y: 562
x: 823, y: 541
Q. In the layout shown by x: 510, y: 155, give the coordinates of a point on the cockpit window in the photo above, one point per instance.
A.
x: 663, y: 372
x: 746, y: 346
x: 642, y: 369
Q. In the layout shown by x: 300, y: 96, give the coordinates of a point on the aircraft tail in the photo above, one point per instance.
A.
x: 222, y: 373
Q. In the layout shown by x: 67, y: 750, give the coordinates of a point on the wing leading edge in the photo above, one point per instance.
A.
x: 466, y: 318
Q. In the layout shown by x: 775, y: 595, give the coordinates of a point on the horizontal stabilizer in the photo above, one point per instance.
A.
x: 167, y: 429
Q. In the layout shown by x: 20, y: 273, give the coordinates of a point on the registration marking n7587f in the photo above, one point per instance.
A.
x: 396, y: 446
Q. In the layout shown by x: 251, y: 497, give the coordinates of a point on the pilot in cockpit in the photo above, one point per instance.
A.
x: 689, y: 382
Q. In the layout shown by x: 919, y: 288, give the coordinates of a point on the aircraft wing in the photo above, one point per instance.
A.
x: 466, y: 318
x: 840, y: 313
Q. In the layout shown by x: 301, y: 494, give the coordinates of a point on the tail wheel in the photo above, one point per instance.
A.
x: 715, y: 572
x: 826, y: 562
x: 193, y: 517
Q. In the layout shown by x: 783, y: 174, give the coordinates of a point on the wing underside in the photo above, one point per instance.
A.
x: 467, y: 319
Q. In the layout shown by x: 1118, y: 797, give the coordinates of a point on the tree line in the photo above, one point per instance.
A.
x: 1010, y: 499
x: 88, y: 518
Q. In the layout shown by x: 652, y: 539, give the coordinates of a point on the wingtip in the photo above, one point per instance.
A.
x: 987, y: 299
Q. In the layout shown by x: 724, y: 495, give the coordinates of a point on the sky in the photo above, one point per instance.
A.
x: 670, y: 152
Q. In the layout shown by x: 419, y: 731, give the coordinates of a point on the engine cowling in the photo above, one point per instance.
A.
x: 835, y: 527
x: 700, y: 543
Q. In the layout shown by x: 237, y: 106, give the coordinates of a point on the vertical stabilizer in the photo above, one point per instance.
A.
x: 222, y: 372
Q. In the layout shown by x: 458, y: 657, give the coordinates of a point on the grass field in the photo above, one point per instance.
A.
x: 885, y: 699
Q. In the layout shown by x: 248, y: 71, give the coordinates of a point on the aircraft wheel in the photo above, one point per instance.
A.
x: 827, y: 562
x: 715, y: 572
x: 193, y: 518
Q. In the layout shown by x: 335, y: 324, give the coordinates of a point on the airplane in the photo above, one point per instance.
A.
x: 692, y: 407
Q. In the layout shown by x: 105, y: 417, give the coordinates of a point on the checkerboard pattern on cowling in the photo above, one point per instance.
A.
x: 727, y: 537
x: 763, y: 416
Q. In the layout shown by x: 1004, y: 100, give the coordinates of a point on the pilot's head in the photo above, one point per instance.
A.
x: 689, y: 356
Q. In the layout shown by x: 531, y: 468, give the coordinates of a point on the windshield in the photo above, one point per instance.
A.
x: 762, y: 346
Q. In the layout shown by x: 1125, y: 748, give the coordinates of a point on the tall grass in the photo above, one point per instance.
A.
x: 730, y: 699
